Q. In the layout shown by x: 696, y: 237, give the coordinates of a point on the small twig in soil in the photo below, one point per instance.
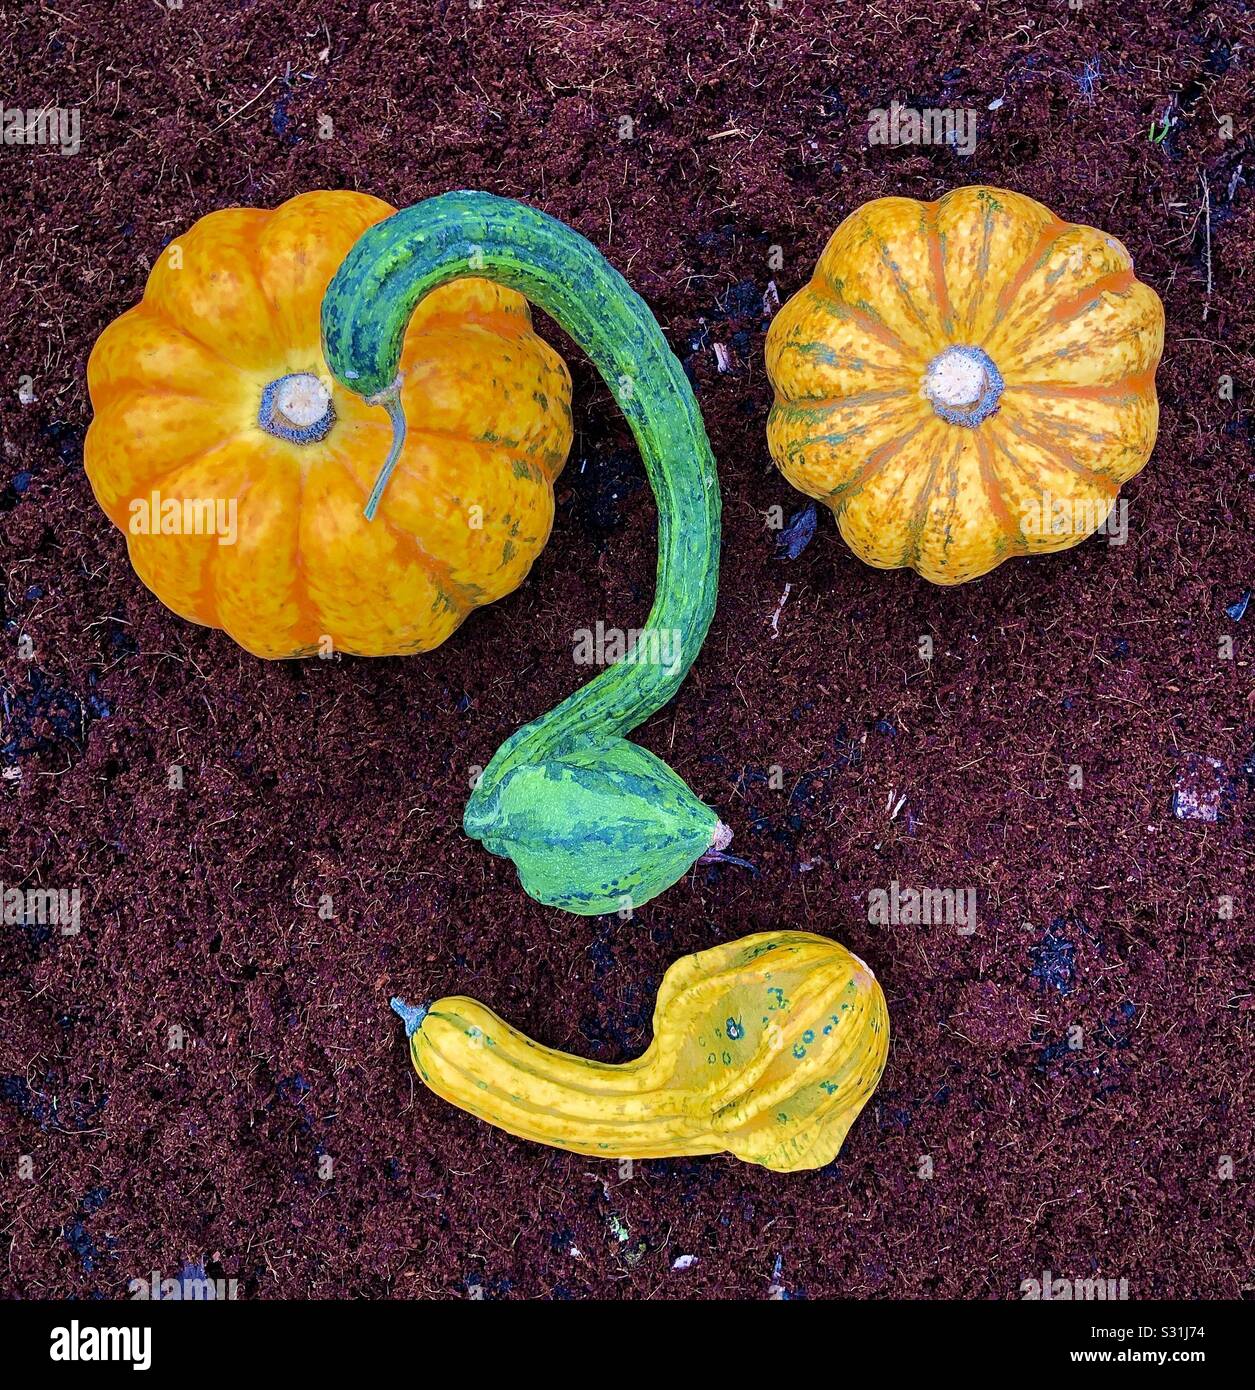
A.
x: 246, y: 105
x: 1207, y: 233
x: 775, y: 617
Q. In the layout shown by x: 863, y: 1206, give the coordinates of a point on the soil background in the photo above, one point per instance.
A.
x: 994, y: 1148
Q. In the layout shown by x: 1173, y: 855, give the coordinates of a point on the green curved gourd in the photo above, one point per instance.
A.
x: 594, y: 824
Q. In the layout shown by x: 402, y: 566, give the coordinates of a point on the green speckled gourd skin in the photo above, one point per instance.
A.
x: 593, y: 823
x: 639, y: 826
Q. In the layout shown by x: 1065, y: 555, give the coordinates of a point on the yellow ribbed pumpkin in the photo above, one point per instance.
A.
x: 238, y: 468
x: 965, y: 380
x: 766, y: 1048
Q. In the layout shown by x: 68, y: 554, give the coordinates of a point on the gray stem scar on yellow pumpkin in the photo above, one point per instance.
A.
x: 595, y: 824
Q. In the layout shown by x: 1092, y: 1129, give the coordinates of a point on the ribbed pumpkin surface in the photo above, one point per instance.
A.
x: 177, y: 383
x: 965, y: 380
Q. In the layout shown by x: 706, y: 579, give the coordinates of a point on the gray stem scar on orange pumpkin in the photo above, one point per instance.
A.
x: 594, y: 823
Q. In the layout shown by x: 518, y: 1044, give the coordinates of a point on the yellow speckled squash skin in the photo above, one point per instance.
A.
x: 179, y: 389
x: 766, y: 1048
x: 965, y: 380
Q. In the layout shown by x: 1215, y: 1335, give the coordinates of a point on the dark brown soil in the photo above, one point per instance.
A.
x: 1099, y: 909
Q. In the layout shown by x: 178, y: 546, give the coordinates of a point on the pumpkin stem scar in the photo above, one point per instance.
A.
x: 411, y: 1015
x: 594, y: 823
x: 296, y: 407
x: 391, y: 402
x: 963, y: 385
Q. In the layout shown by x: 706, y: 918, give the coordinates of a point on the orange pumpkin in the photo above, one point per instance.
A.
x: 238, y: 467
x: 965, y: 380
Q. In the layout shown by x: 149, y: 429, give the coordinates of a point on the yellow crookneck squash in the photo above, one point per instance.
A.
x: 766, y: 1048
x: 965, y: 380
x: 238, y: 467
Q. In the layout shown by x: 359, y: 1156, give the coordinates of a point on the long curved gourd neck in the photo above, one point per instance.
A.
x: 365, y: 316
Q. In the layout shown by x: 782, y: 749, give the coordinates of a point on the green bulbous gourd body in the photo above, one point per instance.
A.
x: 593, y: 823
x: 601, y: 821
